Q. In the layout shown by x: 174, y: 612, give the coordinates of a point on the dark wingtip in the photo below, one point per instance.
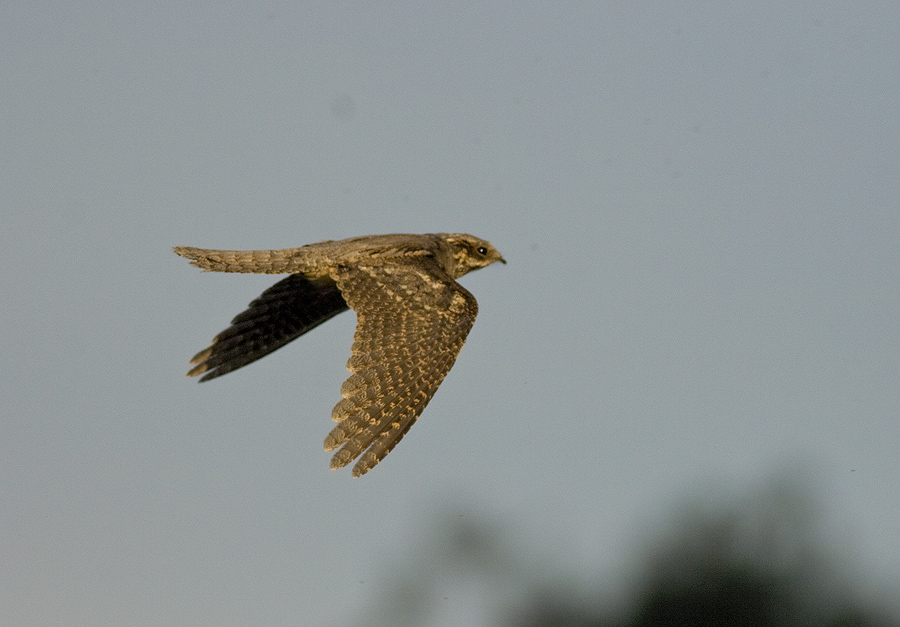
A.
x: 200, y: 357
x: 197, y: 370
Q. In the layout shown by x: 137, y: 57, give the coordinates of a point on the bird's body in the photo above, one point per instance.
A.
x: 412, y: 320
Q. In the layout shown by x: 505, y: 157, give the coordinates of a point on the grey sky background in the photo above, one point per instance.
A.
x: 698, y: 203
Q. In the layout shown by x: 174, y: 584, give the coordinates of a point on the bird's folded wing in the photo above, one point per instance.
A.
x: 282, y: 313
x: 412, y: 321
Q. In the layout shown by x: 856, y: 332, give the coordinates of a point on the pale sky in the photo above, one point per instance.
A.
x: 698, y: 203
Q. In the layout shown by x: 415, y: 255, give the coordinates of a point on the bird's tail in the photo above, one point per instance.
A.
x: 285, y: 261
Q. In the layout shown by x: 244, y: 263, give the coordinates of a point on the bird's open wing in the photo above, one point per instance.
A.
x: 282, y: 313
x: 412, y: 321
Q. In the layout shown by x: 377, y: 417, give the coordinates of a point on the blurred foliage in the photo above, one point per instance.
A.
x: 759, y: 561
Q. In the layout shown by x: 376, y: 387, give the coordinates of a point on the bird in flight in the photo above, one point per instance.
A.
x: 412, y: 319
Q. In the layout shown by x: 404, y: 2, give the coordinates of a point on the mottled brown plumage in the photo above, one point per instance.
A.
x: 412, y: 320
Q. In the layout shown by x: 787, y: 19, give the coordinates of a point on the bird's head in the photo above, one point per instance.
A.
x: 470, y: 253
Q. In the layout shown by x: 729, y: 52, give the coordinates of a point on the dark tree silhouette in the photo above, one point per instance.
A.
x: 760, y: 562
x: 757, y: 560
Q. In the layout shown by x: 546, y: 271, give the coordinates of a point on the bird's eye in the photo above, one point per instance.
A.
x: 481, y: 250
